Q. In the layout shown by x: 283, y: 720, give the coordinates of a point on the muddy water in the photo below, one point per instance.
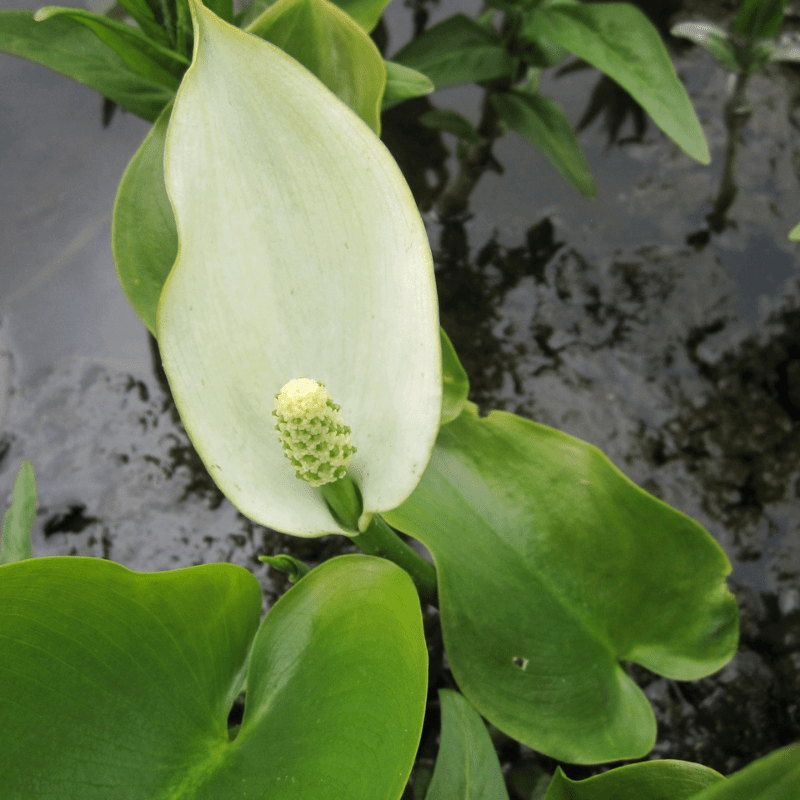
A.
x: 622, y: 320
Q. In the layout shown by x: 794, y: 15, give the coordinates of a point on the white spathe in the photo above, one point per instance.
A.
x: 301, y: 253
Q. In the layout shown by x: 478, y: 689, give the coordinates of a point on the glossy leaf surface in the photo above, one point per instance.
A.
x: 113, y: 685
x: 457, y: 50
x: 329, y: 43
x: 542, y: 122
x: 301, y: 254
x: 620, y: 41
x: 146, y: 58
x: 649, y: 780
x: 19, y: 518
x: 143, y: 235
x: 466, y: 766
x: 66, y: 46
x: 554, y: 568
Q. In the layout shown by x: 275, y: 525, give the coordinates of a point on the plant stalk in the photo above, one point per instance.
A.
x: 380, y: 540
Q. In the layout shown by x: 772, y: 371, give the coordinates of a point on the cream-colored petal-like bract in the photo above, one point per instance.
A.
x: 301, y: 254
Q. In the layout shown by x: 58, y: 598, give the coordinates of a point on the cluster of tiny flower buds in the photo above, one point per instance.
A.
x: 312, y: 432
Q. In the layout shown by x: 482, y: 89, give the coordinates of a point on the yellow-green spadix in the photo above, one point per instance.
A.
x: 301, y: 254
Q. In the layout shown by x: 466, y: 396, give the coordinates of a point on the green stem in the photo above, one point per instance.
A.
x: 380, y: 540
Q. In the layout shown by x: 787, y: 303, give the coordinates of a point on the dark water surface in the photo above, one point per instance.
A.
x: 621, y: 320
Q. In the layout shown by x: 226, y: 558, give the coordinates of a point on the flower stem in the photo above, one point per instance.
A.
x: 380, y: 540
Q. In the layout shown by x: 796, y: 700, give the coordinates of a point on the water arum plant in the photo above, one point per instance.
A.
x: 301, y: 253
x: 303, y: 276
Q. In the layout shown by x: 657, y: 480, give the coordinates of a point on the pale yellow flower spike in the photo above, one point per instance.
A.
x: 312, y: 432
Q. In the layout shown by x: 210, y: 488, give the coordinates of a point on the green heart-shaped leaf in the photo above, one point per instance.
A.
x: 301, y: 254
x: 554, y: 568
x: 118, y: 684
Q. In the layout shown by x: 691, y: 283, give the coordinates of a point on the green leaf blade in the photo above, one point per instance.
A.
x: 336, y: 688
x: 146, y: 58
x: 110, y: 680
x: 712, y: 39
x: 366, y: 13
x: 553, y: 568
x: 457, y: 50
x: 70, y: 48
x: 620, y: 41
x: 144, y: 239
x: 543, y: 123
x: 403, y: 83
x: 455, y: 381
x: 466, y: 766
x: 649, y: 780
x: 329, y: 43
x: 759, y: 19
x: 773, y: 777
x: 19, y: 518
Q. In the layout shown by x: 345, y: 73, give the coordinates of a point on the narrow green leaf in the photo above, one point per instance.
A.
x: 143, y: 14
x: 455, y: 381
x: 620, y: 41
x: 466, y: 766
x: 712, y: 39
x: 403, y: 83
x: 542, y: 122
x: 147, y: 59
x: 446, y: 119
x: 553, y: 569
x: 113, y: 684
x: 184, y: 35
x: 18, y: 520
x: 649, y: 780
x: 794, y: 233
x: 458, y: 50
x: 66, y: 46
x: 143, y: 235
x: 330, y: 44
x: 759, y: 19
x: 302, y: 252
x: 773, y: 777
x: 366, y: 13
